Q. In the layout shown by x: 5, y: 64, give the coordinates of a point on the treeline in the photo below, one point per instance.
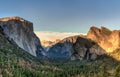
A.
x: 17, y: 64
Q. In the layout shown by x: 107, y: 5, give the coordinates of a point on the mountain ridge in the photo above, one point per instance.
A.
x: 107, y: 39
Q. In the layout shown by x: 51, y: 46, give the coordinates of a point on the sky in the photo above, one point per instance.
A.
x: 75, y: 16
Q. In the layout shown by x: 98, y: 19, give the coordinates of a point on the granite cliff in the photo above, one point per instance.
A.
x: 21, y: 32
x: 107, y: 39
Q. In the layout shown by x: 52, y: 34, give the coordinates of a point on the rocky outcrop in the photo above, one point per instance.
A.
x: 21, y: 32
x: 86, y: 49
x: 107, y: 39
x: 97, y: 34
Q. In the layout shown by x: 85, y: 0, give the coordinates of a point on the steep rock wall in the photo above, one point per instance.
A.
x: 21, y: 32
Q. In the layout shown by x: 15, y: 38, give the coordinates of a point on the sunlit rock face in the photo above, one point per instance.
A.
x: 107, y: 39
x: 21, y: 32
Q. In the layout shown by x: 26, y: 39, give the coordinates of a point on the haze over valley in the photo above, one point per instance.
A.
x: 52, y: 36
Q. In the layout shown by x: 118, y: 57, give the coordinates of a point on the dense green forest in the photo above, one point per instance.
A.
x: 14, y: 63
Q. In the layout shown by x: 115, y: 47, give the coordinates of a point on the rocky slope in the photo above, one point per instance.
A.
x: 107, y: 39
x: 21, y: 32
x: 75, y: 48
x: 62, y: 49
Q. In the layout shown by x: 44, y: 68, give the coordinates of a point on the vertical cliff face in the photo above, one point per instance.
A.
x: 21, y: 32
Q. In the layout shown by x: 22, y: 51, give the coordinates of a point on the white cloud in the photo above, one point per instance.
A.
x: 52, y: 36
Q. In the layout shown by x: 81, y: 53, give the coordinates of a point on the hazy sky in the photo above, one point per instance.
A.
x: 64, y: 15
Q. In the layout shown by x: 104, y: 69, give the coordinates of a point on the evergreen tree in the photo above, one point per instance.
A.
x: 117, y: 71
x: 104, y: 72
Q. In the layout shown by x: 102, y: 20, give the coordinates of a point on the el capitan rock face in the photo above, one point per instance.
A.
x: 21, y: 32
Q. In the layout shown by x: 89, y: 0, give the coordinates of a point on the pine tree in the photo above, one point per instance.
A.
x: 104, y: 72
x: 117, y: 71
